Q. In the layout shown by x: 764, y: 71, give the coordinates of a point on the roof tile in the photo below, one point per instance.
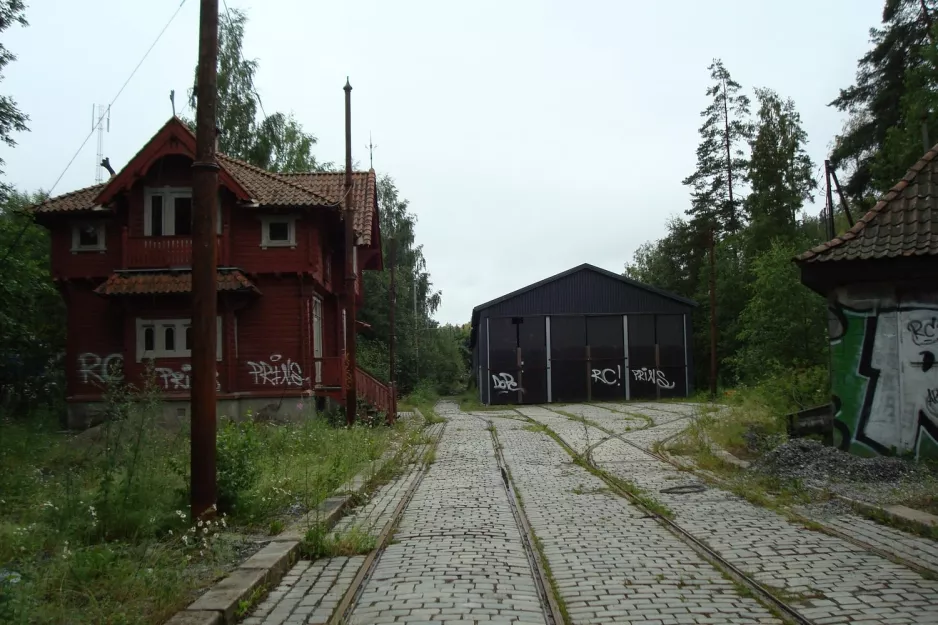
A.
x: 149, y: 283
x: 900, y: 224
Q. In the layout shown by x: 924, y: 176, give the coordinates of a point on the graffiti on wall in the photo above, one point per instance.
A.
x: 277, y: 371
x: 99, y: 370
x: 609, y: 377
x: 505, y: 383
x: 95, y: 369
x: 653, y: 375
x: 884, y: 380
x: 173, y: 380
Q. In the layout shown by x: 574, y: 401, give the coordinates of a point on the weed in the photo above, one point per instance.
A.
x: 244, y: 606
x: 354, y: 541
x: 276, y: 526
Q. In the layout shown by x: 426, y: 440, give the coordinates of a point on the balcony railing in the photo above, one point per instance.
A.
x: 165, y: 252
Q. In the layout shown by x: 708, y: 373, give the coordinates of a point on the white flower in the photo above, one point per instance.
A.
x: 171, y: 533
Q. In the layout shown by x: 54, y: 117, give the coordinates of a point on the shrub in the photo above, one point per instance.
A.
x: 238, y: 452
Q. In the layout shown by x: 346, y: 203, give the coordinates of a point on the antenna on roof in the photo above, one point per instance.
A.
x: 100, y: 116
x: 371, y: 152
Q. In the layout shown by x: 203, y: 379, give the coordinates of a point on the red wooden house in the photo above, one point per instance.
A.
x: 122, y: 257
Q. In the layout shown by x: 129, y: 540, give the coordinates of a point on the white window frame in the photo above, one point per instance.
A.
x: 169, y: 195
x: 179, y: 328
x: 266, y: 220
x: 101, y: 246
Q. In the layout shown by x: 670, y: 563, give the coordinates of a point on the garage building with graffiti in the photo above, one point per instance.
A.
x: 586, y: 334
x: 880, y: 279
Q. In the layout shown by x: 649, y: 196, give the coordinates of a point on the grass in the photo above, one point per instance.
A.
x: 95, y: 528
x: 354, y: 541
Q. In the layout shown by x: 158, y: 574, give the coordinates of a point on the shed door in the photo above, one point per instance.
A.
x: 643, y: 365
x: 532, y: 341
x: 570, y: 374
x: 671, y: 378
x: 504, y: 367
x: 607, y: 356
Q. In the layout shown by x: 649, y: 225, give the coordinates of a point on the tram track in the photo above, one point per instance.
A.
x: 783, y: 609
x: 349, y: 599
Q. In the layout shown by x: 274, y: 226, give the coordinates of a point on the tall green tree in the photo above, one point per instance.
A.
x: 780, y: 171
x: 905, y: 143
x: 11, y: 118
x: 426, y: 352
x: 783, y: 325
x: 277, y: 142
x: 32, y: 314
x: 875, y: 101
x: 721, y: 162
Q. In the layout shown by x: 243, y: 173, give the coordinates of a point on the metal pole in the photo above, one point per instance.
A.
x: 351, y: 392
x: 713, y: 320
x: 392, y: 253
x: 204, y: 289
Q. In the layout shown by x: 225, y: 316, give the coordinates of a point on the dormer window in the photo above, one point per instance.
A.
x: 167, y: 212
x: 88, y: 236
x: 278, y: 231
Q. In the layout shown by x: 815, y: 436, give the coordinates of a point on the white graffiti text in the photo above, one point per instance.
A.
x: 505, y: 383
x: 276, y: 371
x: 652, y: 375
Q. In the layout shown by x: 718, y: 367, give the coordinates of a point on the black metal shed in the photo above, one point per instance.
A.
x: 586, y: 334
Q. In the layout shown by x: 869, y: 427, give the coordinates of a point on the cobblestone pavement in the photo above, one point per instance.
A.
x: 915, y: 549
x: 310, y: 592
x: 610, y: 561
x: 827, y: 579
x: 457, y: 557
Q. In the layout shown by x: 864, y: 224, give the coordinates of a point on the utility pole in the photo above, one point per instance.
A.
x: 831, y: 229
x: 351, y: 391
x: 204, y: 288
x: 713, y: 319
x: 392, y: 295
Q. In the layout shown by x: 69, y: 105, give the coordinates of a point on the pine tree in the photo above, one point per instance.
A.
x: 875, y: 102
x: 721, y: 164
x: 780, y: 171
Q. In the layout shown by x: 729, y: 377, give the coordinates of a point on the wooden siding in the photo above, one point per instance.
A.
x: 94, y: 339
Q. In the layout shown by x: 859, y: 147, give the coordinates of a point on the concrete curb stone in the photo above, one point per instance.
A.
x: 268, y: 565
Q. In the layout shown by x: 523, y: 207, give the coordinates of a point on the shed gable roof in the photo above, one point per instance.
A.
x: 903, y: 223
x: 569, y: 272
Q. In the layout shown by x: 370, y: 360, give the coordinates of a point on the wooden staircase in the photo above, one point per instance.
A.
x: 376, y: 395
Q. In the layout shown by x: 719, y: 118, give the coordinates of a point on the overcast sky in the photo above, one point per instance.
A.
x: 528, y: 136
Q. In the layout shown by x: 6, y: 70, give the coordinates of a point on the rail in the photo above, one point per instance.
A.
x: 374, y: 392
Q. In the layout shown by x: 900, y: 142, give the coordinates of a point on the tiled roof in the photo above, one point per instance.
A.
x: 270, y: 189
x: 82, y: 199
x: 331, y: 185
x: 146, y: 283
x: 903, y: 223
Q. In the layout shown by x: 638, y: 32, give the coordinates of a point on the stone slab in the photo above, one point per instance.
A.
x: 196, y: 617
x: 276, y: 557
x: 224, y: 596
x: 913, y: 515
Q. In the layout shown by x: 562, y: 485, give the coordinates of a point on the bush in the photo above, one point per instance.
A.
x: 238, y: 452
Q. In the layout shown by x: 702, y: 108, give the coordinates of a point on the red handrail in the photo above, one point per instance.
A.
x: 374, y: 392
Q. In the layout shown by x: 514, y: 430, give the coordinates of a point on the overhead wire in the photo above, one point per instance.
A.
x: 48, y: 193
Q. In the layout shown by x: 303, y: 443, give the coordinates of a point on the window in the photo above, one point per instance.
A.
x: 278, y: 231
x: 169, y: 338
x: 167, y: 212
x: 88, y: 237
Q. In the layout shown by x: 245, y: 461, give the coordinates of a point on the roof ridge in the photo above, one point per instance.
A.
x: 876, y: 210
x: 273, y: 176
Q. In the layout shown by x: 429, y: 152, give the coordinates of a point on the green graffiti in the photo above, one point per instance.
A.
x: 855, y: 382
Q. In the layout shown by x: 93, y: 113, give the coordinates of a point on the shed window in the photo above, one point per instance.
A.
x: 168, y: 212
x: 173, y: 340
